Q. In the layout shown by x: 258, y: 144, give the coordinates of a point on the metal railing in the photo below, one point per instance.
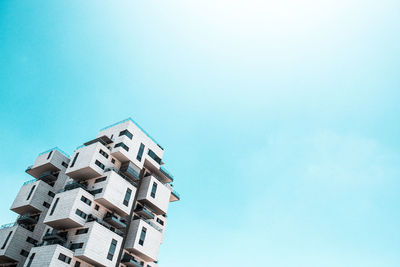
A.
x: 55, y: 148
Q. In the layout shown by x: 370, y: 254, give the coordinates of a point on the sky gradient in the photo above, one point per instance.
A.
x: 279, y: 119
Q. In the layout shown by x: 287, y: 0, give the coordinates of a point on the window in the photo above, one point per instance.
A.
x: 153, y: 190
x: 122, y: 145
x: 51, y: 194
x: 6, y: 241
x: 64, y: 258
x: 54, y: 206
x: 112, y: 161
x: 140, y: 152
x: 154, y: 156
x: 30, y: 260
x: 103, y: 153
x: 111, y: 251
x: 64, y: 164
x: 96, y: 207
x: 24, y: 253
x: 73, y: 161
x: 81, y: 213
x: 82, y: 231
x: 127, y: 133
x: 97, y: 191
x: 160, y: 221
x: 77, y: 264
x: 98, y: 163
x: 76, y: 246
x: 142, y: 236
x: 45, y: 204
x: 31, y: 240
x: 127, y: 196
x: 48, y: 156
x: 86, y: 201
x: 30, y: 192
x: 99, y: 180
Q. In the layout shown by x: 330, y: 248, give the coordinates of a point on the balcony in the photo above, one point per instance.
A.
x: 114, y: 221
x: 31, y: 197
x: 47, y: 255
x: 68, y: 210
x: 51, y: 160
x: 48, y: 177
x: 74, y: 185
x: 55, y: 237
x: 174, y: 195
x: 147, y: 248
x: 144, y: 212
x: 114, y: 194
x: 97, y: 243
x: 87, y: 162
x: 11, y: 245
x: 131, y: 261
x: 28, y: 219
x: 154, y: 195
x: 131, y: 170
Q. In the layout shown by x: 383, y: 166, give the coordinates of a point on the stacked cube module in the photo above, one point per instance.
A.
x: 105, y: 206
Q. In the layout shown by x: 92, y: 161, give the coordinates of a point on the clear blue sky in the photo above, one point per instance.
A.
x: 280, y: 119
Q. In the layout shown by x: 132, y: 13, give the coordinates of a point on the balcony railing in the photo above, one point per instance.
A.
x: 144, y: 212
x: 173, y: 191
x: 30, y: 181
x: 166, y: 173
x: 28, y: 219
x: 114, y: 221
x: 55, y: 237
x: 131, y: 261
x: 8, y: 225
x: 48, y: 176
x: 91, y: 218
x: 55, y: 148
x: 122, y: 175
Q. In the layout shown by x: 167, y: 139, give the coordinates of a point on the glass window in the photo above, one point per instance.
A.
x: 111, y: 250
x: 127, y: 133
x: 140, y: 152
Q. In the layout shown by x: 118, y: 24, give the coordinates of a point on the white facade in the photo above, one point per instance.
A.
x: 104, y: 206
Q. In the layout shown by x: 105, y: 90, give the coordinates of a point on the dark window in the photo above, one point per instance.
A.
x: 30, y: 192
x: 48, y: 156
x: 111, y: 251
x: 86, y: 201
x: 140, y: 152
x: 99, y: 180
x: 160, y: 221
x: 81, y: 213
x: 82, y: 231
x: 31, y: 240
x: 153, y: 190
x: 154, y: 156
x: 64, y: 258
x: 30, y: 260
x: 54, y: 206
x: 45, y: 204
x: 51, y: 194
x: 127, y: 196
x: 127, y: 133
x: 6, y: 241
x: 77, y: 264
x: 98, y: 163
x: 73, y: 161
x: 112, y: 161
x: 97, y: 191
x: 24, y: 253
x: 64, y: 164
x: 122, y: 145
x: 76, y: 246
x: 103, y: 153
x: 96, y: 207
x: 142, y: 236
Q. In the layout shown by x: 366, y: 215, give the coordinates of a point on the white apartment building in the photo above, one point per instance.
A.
x: 104, y: 206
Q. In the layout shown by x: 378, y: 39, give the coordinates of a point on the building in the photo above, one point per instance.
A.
x: 104, y: 206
